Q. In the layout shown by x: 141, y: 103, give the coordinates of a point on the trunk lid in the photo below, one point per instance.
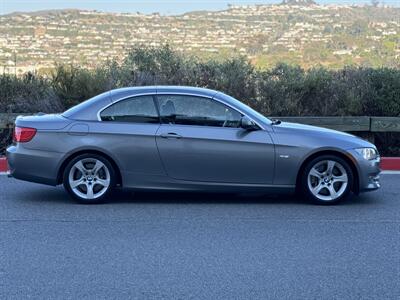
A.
x: 43, y: 122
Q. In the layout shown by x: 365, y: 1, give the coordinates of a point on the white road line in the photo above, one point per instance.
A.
x: 390, y: 172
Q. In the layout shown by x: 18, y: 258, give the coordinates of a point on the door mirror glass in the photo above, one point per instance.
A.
x: 248, y: 124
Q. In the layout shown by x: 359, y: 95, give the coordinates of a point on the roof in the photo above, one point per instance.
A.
x: 118, y: 93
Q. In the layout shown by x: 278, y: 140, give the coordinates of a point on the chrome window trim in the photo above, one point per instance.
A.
x: 179, y: 93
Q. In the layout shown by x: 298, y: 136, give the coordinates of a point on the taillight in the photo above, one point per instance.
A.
x: 23, y: 134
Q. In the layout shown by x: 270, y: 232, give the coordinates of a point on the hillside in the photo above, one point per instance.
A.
x: 309, y: 34
x: 299, y: 2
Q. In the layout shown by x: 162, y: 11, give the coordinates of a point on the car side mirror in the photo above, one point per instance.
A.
x: 247, y: 124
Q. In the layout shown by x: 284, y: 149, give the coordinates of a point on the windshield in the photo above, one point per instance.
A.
x: 245, y: 108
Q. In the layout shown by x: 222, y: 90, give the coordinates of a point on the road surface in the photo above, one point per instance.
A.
x: 191, y: 246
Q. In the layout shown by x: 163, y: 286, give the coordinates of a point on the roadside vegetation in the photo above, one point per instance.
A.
x: 284, y: 90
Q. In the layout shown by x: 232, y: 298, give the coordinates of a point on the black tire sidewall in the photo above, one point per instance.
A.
x: 304, y: 180
x: 68, y: 187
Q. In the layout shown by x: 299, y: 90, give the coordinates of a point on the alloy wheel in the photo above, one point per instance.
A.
x: 327, y: 180
x: 89, y: 178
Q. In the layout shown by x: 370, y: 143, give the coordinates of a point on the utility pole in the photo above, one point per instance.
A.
x: 4, y: 66
x: 15, y: 63
x: 375, y: 3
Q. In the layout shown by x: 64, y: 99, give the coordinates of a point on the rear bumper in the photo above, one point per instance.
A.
x: 33, y: 165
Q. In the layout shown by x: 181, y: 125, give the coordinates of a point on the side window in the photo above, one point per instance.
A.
x: 192, y: 110
x: 139, y: 109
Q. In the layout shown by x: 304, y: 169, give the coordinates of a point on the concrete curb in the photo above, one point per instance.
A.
x: 387, y: 164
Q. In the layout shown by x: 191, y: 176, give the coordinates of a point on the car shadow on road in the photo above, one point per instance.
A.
x: 58, y: 195
x: 123, y: 196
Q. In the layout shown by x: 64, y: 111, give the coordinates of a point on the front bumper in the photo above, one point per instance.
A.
x: 33, y: 165
x: 368, y: 172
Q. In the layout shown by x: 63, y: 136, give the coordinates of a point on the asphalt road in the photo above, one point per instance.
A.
x: 188, y: 246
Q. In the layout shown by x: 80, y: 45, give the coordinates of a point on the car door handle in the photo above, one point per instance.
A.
x: 170, y: 135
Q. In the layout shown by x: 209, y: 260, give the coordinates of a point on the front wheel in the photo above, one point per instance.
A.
x: 327, y: 179
x: 89, y: 178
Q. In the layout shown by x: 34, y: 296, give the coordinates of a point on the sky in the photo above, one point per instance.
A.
x: 165, y: 7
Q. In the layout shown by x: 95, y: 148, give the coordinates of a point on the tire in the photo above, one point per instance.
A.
x: 326, y: 180
x: 89, y: 178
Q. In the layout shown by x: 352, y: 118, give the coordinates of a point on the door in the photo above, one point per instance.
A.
x: 128, y: 130
x: 200, y: 140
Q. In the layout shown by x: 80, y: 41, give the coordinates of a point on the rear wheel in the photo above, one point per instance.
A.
x: 89, y: 178
x: 327, y: 179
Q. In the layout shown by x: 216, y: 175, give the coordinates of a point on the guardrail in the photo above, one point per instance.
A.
x: 349, y: 124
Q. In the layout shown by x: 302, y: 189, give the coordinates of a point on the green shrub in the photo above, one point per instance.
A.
x: 74, y: 85
x: 284, y: 90
x: 29, y: 94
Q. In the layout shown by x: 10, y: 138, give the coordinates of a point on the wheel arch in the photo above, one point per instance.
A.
x: 71, y: 156
x: 350, y: 160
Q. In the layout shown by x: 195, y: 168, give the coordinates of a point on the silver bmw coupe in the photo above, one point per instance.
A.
x: 185, y: 138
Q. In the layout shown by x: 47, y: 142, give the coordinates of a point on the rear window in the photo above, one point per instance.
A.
x: 139, y: 109
x: 86, y: 104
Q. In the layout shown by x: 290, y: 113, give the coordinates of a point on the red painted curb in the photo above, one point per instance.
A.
x: 3, y: 164
x: 387, y: 164
x: 390, y: 163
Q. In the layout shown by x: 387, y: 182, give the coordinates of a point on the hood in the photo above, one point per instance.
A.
x: 323, y: 136
x: 315, y: 129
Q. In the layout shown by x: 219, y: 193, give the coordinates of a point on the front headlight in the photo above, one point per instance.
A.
x: 368, y: 153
